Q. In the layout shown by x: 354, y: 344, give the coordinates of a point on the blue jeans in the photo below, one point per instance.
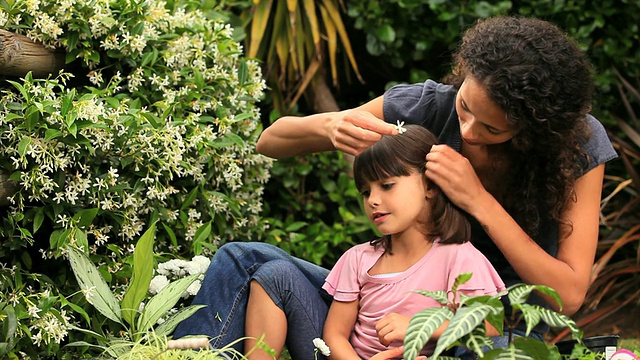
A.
x: 293, y: 284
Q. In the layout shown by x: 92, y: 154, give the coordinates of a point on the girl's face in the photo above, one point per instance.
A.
x: 397, y: 204
x: 482, y: 121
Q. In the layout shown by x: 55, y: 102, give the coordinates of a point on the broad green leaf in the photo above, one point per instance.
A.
x: 421, y: 326
x: 89, y: 279
x: 534, y: 347
x: 519, y: 293
x: 463, y: 322
x: 163, y: 301
x: 141, y: 277
x: 512, y: 353
x: 555, y: 319
x: 167, y: 327
x: 477, y: 341
x: 440, y: 296
x: 85, y: 217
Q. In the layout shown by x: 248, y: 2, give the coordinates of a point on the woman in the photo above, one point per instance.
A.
x: 520, y: 155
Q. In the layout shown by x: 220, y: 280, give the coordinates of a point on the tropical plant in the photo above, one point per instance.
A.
x: 294, y: 39
x: 467, y: 328
x: 137, y: 314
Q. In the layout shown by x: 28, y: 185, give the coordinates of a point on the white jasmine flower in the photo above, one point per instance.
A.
x: 321, y: 346
x: 400, y: 127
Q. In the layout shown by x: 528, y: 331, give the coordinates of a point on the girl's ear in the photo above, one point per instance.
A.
x: 430, y: 190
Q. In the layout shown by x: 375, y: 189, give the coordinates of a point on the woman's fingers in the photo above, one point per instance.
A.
x: 357, y: 130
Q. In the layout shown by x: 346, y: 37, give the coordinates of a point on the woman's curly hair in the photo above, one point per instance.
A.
x: 543, y: 82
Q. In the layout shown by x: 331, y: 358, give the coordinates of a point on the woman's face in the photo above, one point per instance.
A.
x: 482, y: 121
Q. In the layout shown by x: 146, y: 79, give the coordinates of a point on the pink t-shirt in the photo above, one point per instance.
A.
x: 437, y: 270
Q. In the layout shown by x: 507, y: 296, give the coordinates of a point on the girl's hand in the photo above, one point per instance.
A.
x: 454, y: 174
x: 355, y: 130
x: 392, y: 327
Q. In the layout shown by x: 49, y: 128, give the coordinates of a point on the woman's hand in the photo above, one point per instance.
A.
x: 392, y: 327
x: 355, y: 130
x: 454, y: 174
x: 393, y: 353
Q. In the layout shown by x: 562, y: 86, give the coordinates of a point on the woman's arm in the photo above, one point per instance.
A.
x: 569, y: 273
x: 338, y: 327
x: 350, y: 131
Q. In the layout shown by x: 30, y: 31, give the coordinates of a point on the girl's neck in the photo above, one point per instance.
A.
x: 405, y: 252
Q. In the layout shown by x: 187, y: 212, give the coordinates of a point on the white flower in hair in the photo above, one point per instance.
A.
x: 321, y: 346
x: 400, y: 127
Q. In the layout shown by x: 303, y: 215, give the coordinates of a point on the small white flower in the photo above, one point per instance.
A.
x: 399, y: 127
x: 321, y: 346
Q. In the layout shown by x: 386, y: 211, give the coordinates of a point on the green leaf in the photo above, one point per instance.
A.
x: 534, y: 347
x: 440, y: 296
x: 421, y: 326
x: 23, y: 145
x: 85, y: 217
x: 191, y: 197
x: 162, y: 302
x: 243, y: 73
x: 555, y: 319
x: 512, y: 353
x: 202, y: 233
x: 462, y: 323
x: 52, y: 134
x: 38, y: 218
x: 295, y: 226
x: 167, y: 327
x: 92, y: 283
x: 9, y: 323
x: 141, y: 277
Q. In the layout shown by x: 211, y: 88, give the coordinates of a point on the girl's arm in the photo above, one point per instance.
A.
x: 338, y: 328
x: 569, y: 273
x: 350, y: 131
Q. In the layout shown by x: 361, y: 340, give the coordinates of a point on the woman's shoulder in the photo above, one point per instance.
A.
x: 598, y: 147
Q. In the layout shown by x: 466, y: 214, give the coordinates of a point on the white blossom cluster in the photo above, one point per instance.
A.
x: 175, y: 269
x: 109, y: 150
x: 46, y: 321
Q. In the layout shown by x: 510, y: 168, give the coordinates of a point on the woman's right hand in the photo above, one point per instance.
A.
x: 352, y: 131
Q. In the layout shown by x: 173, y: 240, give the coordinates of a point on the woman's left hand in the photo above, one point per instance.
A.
x: 455, y: 175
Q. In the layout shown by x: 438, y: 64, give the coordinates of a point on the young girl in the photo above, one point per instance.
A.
x: 425, y: 246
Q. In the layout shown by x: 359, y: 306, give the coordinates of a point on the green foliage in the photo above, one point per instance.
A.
x: 152, y: 121
x: 315, y: 209
x: 466, y: 323
x: 140, y: 323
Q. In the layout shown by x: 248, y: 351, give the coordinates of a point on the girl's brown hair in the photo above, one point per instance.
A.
x: 400, y: 155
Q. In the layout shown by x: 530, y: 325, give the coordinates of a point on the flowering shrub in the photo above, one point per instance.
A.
x: 154, y: 118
